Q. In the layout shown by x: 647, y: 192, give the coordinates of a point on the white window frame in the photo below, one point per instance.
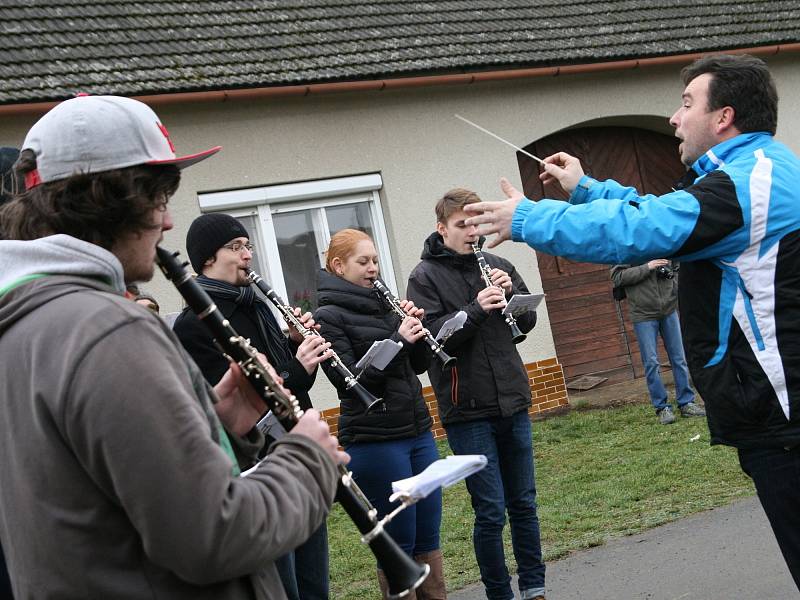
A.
x: 263, y: 202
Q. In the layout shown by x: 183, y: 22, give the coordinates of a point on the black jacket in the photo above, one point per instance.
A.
x: 489, y: 379
x: 351, y: 318
x: 200, y: 345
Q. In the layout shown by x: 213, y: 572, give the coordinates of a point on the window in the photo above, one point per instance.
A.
x: 291, y: 225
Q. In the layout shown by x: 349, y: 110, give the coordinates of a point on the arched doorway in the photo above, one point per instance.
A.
x: 593, y: 335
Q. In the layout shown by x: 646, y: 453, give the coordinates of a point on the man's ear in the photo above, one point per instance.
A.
x: 727, y: 115
x: 441, y: 228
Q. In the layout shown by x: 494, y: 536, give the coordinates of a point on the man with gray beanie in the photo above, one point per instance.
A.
x: 220, y: 251
x: 119, y: 464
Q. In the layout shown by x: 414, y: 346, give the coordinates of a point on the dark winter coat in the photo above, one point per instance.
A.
x: 351, y: 318
x: 489, y: 378
x: 200, y: 345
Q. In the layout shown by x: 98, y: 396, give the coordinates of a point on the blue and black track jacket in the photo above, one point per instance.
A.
x: 736, y: 231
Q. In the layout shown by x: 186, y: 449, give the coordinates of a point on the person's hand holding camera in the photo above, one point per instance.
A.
x: 661, y: 267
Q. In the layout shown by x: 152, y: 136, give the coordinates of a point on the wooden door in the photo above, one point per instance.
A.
x: 592, y: 335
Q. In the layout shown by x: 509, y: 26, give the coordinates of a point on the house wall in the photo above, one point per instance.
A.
x: 412, y: 139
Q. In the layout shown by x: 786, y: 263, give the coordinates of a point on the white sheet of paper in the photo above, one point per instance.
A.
x: 522, y: 303
x: 379, y: 355
x: 441, y: 473
x: 452, y: 325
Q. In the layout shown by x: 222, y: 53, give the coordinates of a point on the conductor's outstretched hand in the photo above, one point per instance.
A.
x: 495, y: 217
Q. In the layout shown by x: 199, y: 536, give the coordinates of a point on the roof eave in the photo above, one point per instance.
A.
x: 411, y: 82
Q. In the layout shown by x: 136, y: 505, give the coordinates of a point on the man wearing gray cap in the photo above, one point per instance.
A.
x: 117, y: 476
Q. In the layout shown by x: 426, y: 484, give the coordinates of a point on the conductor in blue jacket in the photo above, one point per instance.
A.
x: 735, y: 227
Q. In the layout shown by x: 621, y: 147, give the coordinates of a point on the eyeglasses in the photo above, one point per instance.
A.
x: 239, y: 246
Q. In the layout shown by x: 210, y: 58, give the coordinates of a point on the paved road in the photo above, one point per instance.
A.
x: 723, y: 554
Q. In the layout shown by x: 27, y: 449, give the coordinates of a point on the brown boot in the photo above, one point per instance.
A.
x: 384, y: 585
x: 433, y: 587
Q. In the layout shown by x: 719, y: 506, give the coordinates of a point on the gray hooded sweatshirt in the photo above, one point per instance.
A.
x: 112, y: 480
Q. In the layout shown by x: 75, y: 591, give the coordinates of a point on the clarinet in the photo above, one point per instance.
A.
x: 351, y: 381
x: 402, y: 573
x: 394, y: 304
x: 516, y: 335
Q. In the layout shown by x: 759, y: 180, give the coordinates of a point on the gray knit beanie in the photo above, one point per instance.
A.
x: 208, y: 233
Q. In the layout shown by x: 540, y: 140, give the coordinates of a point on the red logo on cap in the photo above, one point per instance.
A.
x: 32, y: 179
x: 166, y: 135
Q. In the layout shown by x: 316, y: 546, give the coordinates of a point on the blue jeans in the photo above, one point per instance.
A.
x: 304, y: 572
x: 647, y: 333
x: 375, y: 465
x: 776, y: 475
x: 505, y: 484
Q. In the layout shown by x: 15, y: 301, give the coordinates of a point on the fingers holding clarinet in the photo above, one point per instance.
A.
x: 411, y: 330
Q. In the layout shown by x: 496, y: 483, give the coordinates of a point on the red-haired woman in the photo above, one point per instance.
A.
x: 395, y: 441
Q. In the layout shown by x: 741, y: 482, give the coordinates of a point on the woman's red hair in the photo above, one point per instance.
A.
x: 343, y: 246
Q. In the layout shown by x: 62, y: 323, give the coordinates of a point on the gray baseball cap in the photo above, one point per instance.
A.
x: 92, y: 134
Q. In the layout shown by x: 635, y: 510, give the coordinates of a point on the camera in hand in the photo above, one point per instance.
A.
x: 664, y: 272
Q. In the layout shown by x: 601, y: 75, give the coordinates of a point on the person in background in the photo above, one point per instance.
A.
x: 117, y: 478
x: 484, y: 400
x: 8, y: 189
x: 134, y: 292
x: 393, y: 441
x: 147, y: 301
x: 220, y: 252
x: 10, y: 185
x: 652, y: 293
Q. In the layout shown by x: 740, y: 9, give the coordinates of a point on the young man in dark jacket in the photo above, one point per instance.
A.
x: 117, y: 479
x: 652, y: 293
x: 484, y: 400
x: 220, y: 251
x: 736, y: 231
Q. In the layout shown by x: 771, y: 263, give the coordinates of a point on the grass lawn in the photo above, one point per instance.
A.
x: 599, y: 474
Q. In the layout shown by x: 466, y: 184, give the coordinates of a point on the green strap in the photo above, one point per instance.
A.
x: 225, y: 442
x: 18, y: 282
x: 22, y: 280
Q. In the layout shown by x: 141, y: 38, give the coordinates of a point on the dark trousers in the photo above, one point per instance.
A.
x: 5, y: 582
x: 304, y: 572
x: 776, y: 475
x: 506, y: 484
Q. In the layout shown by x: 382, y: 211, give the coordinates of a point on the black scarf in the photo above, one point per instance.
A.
x: 277, y: 349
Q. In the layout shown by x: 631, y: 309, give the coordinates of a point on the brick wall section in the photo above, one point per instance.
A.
x: 548, y: 389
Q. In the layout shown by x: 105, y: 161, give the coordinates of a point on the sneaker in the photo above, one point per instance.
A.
x: 692, y: 410
x: 666, y: 416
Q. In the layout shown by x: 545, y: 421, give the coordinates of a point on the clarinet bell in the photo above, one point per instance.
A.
x: 448, y: 361
x: 516, y: 335
x: 403, y: 574
x: 361, y: 394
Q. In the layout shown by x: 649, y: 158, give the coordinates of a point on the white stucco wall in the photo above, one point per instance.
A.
x: 412, y: 139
